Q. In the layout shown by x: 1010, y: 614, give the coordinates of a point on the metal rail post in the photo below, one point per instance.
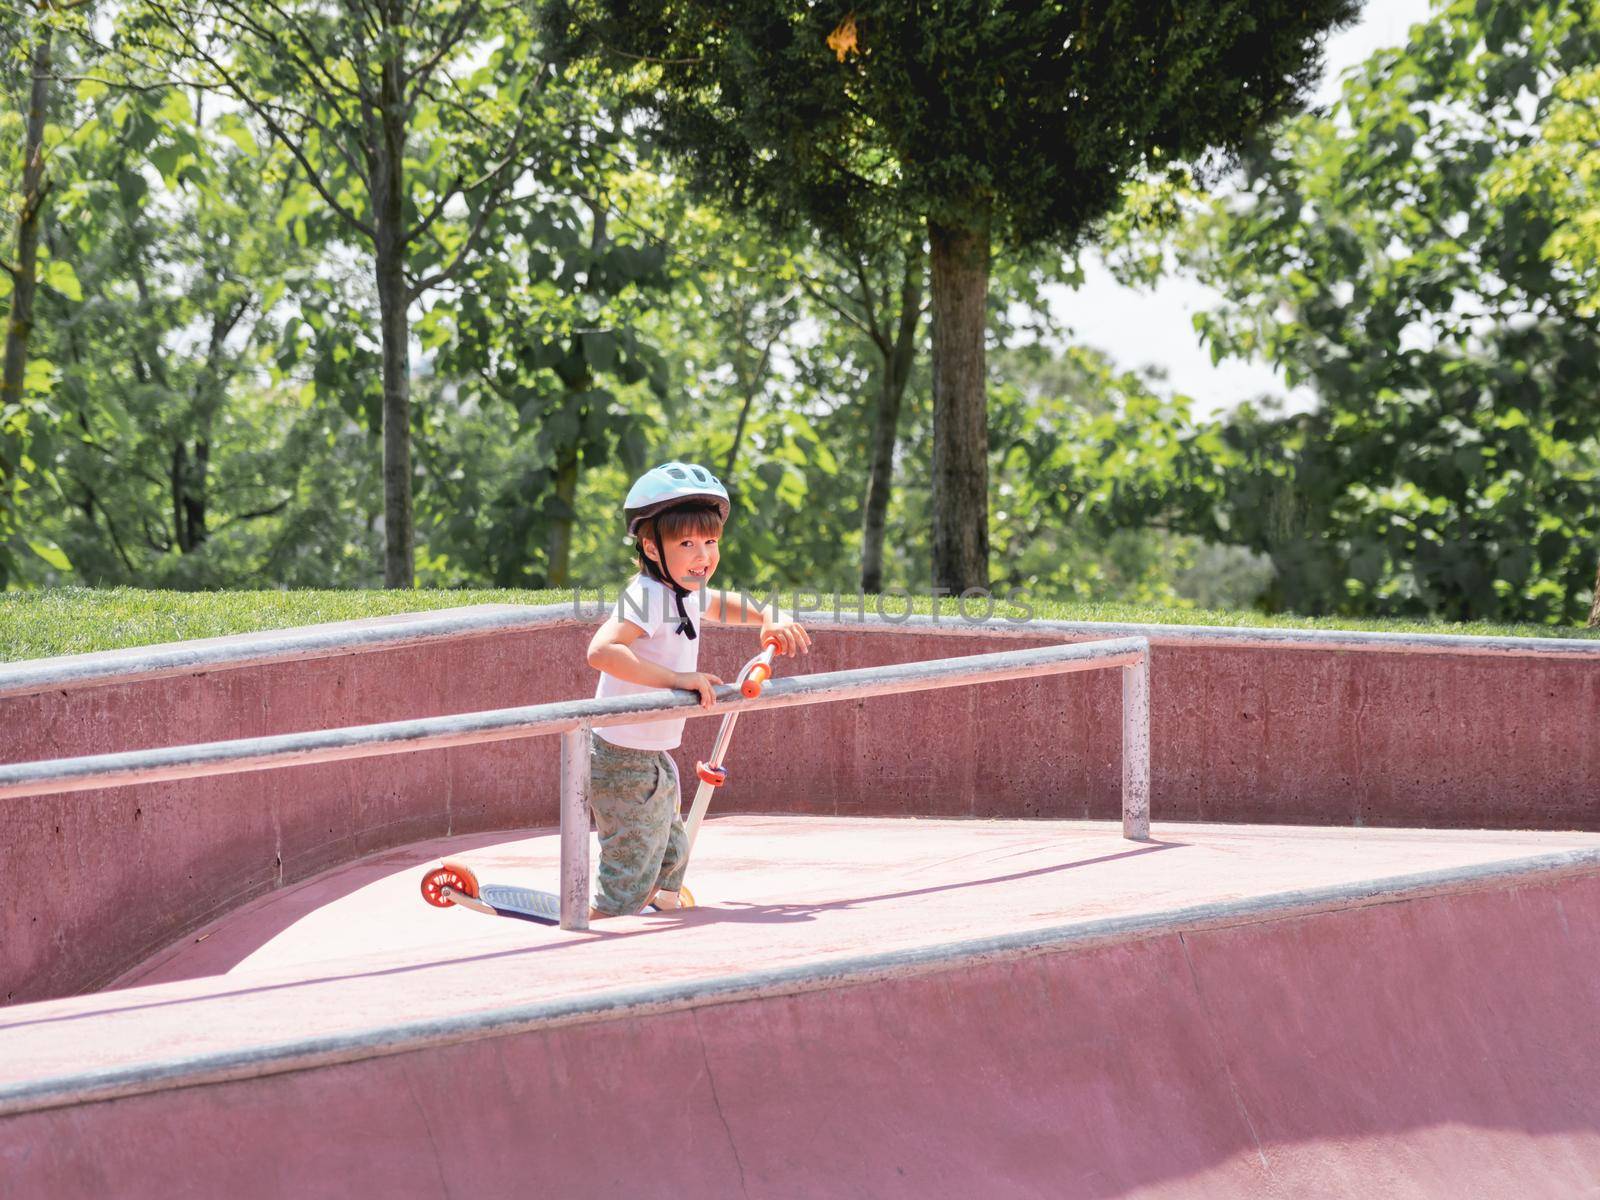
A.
x: 575, y: 828
x: 1136, y: 749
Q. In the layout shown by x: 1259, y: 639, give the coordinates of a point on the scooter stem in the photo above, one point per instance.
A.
x: 750, y: 680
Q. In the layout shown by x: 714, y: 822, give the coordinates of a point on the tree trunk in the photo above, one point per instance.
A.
x: 24, y: 272
x: 176, y: 473
x: 747, y: 378
x: 194, y: 502
x: 960, y: 289
x: 738, y: 436
x: 897, y: 362
x: 560, y: 572
x: 564, y: 511
x: 188, y: 478
x: 388, y: 195
x: 885, y: 423
x: 1594, y: 609
x: 209, y: 389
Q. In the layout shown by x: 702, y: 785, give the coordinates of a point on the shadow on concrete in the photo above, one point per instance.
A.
x: 789, y: 913
x: 291, y: 906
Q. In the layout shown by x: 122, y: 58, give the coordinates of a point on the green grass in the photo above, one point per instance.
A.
x: 38, y: 624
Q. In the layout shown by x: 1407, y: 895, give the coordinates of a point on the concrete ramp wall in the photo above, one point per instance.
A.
x: 1265, y: 726
x: 1437, y: 1046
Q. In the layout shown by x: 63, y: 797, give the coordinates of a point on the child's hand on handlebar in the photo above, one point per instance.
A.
x: 698, y: 681
x: 790, y: 635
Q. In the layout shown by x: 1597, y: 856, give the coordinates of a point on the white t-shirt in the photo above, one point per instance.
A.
x: 651, y: 606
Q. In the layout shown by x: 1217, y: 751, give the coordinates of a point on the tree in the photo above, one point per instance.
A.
x: 1557, y: 173
x: 1452, y: 466
x: 37, y: 32
x: 1083, y: 457
x: 739, y: 340
x: 551, y: 331
x: 1015, y: 123
x: 879, y: 290
x: 412, y: 122
x: 169, y: 215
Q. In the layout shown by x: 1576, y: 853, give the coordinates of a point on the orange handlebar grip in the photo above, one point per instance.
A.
x: 759, y: 674
x: 770, y: 642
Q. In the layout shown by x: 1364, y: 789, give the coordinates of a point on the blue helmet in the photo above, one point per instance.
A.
x: 669, y: 485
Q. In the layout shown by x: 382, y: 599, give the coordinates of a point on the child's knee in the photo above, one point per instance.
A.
x: 624, y: 892
x: 641, y: 837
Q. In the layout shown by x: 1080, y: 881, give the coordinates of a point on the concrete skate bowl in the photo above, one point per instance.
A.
x: 1303, y: 1048
x: 1435, y: 1044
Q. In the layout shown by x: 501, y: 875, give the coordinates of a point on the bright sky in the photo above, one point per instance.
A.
x: 1139, y: 328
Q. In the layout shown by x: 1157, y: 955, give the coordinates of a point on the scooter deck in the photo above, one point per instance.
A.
x: 455, y: 883
x: 530, y: 905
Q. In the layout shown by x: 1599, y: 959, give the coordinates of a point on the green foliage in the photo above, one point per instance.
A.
x: 175, y: 465
x: 773, y: 391
x: 897, y: 113
x: 1557, y: 176
x: 1079, y: 451
x: 30, y: 36
x: 1017, y: 122
x: 412, y: 127
x: 207, y: 379
x: 547, y: 348
x: 1451, y: 466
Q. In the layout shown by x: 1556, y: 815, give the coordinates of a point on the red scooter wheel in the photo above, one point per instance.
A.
x: 454, y: 875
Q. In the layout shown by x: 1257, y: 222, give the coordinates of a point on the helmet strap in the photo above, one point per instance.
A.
x: 658, y: 568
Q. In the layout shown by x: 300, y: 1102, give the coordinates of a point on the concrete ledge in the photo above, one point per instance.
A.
x: 410, y: 629
x: 1227, y: 635
x: 139, y: 663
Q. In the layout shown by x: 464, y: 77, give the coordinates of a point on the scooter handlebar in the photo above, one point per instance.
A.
x: 760, y: 669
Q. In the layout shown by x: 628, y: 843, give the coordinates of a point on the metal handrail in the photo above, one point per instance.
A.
x: 573, y: 719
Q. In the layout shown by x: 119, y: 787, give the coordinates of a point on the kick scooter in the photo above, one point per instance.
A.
x: 453, y: 882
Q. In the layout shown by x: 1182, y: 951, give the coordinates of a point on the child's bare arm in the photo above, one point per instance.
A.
x: 611, y: 651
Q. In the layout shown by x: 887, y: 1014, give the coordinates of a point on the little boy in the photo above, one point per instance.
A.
x: 675, y: 514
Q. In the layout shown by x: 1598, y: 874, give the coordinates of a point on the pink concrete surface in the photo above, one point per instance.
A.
x: 1239, y: 733
x: 123, y: 871
x: 1385, y: 1040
